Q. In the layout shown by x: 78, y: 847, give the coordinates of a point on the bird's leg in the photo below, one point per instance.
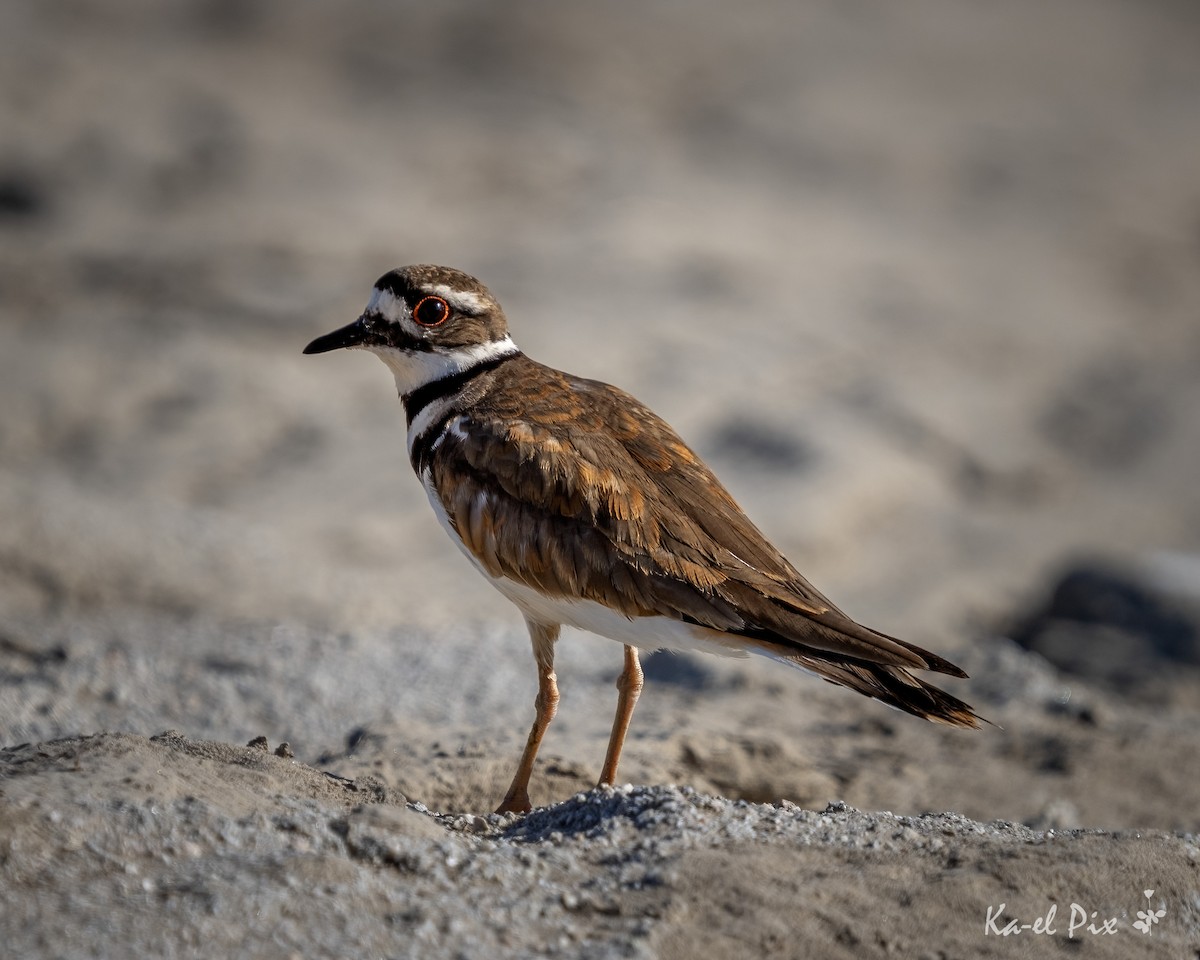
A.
x: 546, y: 705
x: 629, y: 686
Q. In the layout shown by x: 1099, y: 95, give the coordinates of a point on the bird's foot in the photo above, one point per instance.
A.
x: 515, y: 803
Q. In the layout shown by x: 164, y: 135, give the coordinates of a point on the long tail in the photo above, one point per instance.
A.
x: 898, y: 688
x: 887, y: 683
x: 825, y: 642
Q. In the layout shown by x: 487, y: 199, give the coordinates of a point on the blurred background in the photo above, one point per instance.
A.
x: 921, y: 282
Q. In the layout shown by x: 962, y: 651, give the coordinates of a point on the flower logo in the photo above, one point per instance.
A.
x: 1149, y: 917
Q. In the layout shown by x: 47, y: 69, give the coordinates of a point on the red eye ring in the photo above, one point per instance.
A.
x: 431, y: 311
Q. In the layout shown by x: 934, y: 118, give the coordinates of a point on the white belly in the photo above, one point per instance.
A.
x: 646, y: 633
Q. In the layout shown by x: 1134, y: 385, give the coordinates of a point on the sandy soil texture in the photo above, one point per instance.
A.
x: 230, y: 850
x: 921, y: 283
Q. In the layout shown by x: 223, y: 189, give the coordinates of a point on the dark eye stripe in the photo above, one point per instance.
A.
x: 431, y: 311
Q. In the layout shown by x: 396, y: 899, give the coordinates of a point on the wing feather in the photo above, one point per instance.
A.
x: 590, y: 494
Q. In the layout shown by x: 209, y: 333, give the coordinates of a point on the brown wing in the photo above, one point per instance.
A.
x: 575, y: 488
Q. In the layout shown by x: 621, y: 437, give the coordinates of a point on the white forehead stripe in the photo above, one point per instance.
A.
x: 387, y: 305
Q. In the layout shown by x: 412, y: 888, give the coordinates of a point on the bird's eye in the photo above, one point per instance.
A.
x: 431, y: 311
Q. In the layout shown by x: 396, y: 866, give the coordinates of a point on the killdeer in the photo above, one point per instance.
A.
x: 584, y: 508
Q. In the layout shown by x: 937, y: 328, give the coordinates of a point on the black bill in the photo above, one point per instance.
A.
x: 351, y: 335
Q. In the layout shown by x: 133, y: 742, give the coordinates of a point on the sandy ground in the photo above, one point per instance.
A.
x: 923, y: 286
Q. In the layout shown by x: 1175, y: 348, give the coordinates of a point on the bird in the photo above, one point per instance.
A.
x: 585, y: 509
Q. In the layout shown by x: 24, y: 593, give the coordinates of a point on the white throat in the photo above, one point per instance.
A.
x: 413, y: 369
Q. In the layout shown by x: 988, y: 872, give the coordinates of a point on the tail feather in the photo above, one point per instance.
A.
x: 838, y: 623
x: 888, y: 683
x: 844, y: 652
x: 898, y: 688
x: 828, y: 633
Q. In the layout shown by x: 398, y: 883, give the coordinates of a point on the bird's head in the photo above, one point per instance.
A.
x: 425, y: 322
